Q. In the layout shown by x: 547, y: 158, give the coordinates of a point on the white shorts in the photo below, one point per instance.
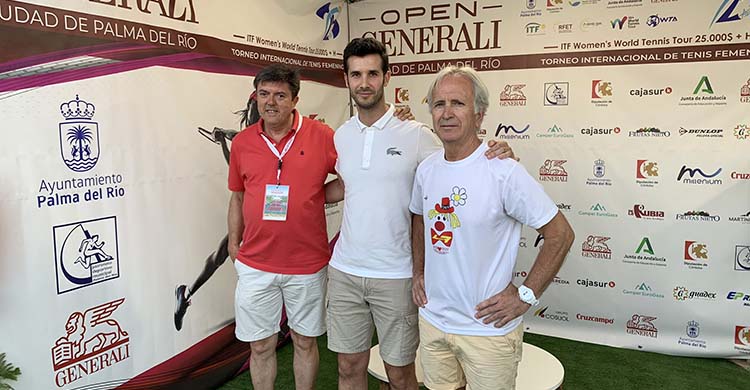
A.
x: 260, y: 295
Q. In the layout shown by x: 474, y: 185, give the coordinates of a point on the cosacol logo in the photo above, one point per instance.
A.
x: 596, y: 247
x: 553, y: 170
x: 86, y: 253
x: 94, y: 341
x: 641, y: 325
x: 329, y: 15
x: 79, y: 135
x: 552, y: 315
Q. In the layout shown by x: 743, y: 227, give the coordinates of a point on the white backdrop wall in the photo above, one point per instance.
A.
x: 611, y: 104
x: 109, y: 196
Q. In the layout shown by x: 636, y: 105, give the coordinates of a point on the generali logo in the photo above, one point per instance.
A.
x: 93, y: 341
x: 596, y: 247
x: 641, y: 325
x: 553, y: 170
x: 512, y: 95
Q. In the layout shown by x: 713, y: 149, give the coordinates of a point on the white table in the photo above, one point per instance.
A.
x: 538, y: 370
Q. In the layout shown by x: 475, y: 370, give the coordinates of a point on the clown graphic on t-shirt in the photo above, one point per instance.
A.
x: 445, y: 221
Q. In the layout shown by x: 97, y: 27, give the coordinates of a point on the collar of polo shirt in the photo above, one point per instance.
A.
x: 380, y: 123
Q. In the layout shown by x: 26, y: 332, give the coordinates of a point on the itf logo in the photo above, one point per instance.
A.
x: 329, y: 15
x: 86, y: 253
x: 79, y: 135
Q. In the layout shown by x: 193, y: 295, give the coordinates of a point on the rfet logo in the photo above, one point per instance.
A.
x: 695, y: 251
x: 329, y: 15
x: 93, y: 341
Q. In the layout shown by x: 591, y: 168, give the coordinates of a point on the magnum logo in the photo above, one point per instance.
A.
x: 437, y: 28
x: 183, y: 10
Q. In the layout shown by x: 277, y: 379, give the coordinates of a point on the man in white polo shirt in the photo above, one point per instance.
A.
x: 371, y: 269
x: 468, y: 217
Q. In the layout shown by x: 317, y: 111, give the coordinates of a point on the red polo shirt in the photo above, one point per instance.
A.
x: 298, y: 245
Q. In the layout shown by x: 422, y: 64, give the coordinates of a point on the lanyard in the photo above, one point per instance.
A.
x: 284, y: 150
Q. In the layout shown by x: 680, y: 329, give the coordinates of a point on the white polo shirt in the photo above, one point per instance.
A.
x: 377, y: 164
x: 473, y: 211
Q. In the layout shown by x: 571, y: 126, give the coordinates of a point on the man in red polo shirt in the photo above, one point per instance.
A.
x: 277, y: 230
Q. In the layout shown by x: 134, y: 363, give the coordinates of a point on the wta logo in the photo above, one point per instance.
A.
x: 329, y: 15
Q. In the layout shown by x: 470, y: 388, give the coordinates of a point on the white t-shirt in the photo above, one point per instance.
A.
x: 473, y: 212
x: 377, y: 164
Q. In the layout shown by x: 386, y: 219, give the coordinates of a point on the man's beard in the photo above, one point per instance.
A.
x: 376, y: 98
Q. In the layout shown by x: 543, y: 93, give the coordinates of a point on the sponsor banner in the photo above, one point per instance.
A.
x: 122, y: 115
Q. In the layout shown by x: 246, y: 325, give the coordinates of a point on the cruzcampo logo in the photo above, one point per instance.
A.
x: 645, y: 246
x: 704, y: 86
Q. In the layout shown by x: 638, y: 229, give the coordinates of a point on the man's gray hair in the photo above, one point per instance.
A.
x: 481, y: 95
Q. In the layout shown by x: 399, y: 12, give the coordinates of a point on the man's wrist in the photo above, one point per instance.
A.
x: 527, y: 295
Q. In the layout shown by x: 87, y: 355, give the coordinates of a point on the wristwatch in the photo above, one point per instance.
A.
x: 527, y: 295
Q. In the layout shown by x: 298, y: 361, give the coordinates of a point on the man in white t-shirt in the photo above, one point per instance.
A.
x: 370, y: 273
x: 468, y: 217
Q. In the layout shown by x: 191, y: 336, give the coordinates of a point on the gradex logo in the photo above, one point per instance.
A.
x: 328, y: 14
x: 79, y: 135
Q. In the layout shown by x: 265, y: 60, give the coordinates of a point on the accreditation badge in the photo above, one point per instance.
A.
x: 276, y: 202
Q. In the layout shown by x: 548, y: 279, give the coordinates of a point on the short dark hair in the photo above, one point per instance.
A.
x: 360, y: 47
x: 279, y: 73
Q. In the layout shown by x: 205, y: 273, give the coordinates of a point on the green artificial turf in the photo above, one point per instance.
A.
x: 587, y: 366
